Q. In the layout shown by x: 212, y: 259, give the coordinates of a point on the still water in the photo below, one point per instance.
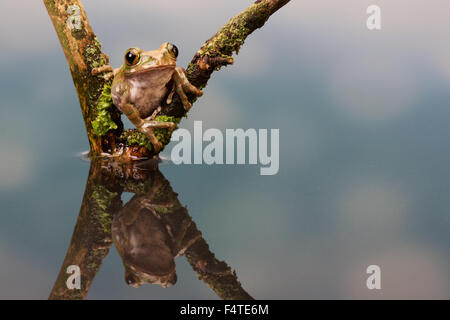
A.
x: 210, y: 232
x: 364, y: 172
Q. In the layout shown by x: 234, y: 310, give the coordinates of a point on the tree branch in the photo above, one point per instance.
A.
x: 215, y: 273
x: 217, y: 51
x: 83, y: 53
x: 103, y: 220
x: 91, y: 237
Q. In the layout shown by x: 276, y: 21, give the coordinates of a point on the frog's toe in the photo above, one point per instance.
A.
x: 189, y: 87
x: 170, y: 96
x: 171, y: 125
x: 152, y: 124
x: 184, y: 100
x: 187, y: 105
x: 102, y: 69
x: 165, y: 125
x: 157, y: 146
x: 193, y: 89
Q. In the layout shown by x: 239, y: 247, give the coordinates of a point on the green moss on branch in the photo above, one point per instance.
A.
x: 132, y: 137
x: 83, y: 53
x: 103, y: 121
x: 218, y: 50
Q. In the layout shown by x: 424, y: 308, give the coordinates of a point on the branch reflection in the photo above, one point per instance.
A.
x: 149, y: 232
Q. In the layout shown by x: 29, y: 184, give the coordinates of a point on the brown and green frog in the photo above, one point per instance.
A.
x: 145, y: 83
x: 148, y: 239
x: 145, y: 246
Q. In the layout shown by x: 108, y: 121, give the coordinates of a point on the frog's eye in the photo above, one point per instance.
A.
x: 173, y: 48
x: 132, y: 56
x: 131, y: 280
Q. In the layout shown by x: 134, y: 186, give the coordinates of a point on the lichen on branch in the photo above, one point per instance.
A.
x: 217, y: 51
x: 83, y: 53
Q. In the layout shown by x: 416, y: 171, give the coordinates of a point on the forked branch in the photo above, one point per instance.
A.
x: 84, y: 53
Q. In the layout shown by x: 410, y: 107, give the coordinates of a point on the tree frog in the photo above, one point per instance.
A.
x: 145, y: 83
x: 144, y: 245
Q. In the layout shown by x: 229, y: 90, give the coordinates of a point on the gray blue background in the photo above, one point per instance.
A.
x: 364, y: 148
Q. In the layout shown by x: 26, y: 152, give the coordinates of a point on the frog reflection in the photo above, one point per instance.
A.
x: 149, y: 232
x: 145, y: 246
x: 148, y: 239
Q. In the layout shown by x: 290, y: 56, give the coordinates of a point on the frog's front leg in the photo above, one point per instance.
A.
x: 146, y: 126
x: 182, y: 85
x: 108, y: 71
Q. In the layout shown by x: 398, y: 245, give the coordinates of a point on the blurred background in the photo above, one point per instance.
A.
x: 364, y: 148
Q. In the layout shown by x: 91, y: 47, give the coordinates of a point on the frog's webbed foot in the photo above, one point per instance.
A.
x: 182, y: 86
x: 151, y: 122
x: 147, y: 126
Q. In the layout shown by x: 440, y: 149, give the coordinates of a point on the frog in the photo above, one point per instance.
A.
x: 145, y: 246
x: 145, y: 83
x: 148, y: 238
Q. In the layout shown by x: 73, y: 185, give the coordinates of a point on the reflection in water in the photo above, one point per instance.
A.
x: 149, y: 232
